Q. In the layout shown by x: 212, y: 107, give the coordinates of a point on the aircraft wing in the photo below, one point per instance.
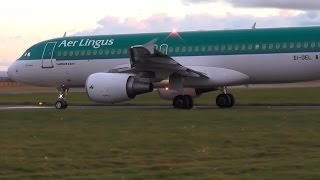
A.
x: 148, y: 62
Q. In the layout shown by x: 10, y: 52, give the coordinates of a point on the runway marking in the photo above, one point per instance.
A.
x: 24, y: 107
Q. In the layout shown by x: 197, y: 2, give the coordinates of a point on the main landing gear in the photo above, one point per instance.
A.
x: 61, y: 102
x: 183, y: 102
x: 225, y: 100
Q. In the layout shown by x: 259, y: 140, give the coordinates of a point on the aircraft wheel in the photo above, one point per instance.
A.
x: 225, y: 100
x: 178, y: 102
x: 232, y: 100
x: 188, y: 102
x: 60, y: 104
x: 183, y: 102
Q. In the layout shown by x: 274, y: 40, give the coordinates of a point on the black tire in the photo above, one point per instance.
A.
x: 232, y: 100
x: 223, y: 100
x: 188, y: 102
x: 178, y: 102
x: 65, y: 105
x: 183, y: 102
x: 60, y: 104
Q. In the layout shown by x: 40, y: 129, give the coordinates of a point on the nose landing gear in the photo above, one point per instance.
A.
x: 61, y: 102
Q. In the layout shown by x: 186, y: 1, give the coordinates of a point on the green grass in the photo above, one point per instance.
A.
x: 163, y: 144
x: 160, y: 144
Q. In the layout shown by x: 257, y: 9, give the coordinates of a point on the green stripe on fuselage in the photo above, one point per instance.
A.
x: 200, y: 43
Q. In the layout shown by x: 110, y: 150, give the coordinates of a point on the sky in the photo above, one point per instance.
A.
x: 26, y: 22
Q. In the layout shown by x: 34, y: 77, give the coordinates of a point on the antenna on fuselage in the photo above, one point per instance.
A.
x: 65, y: 34
x: 254, y: 26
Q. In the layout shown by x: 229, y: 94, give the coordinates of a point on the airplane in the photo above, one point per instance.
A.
x: 181, y: 65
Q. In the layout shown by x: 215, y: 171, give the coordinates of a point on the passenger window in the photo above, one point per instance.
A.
x: 183, y: 49
x: 236, y: 47
x: 190, y: 48
x: 210, y: 48
x: 203, y: 48
x: 177, y: 49
x: 95, y: 52
x: 313, y: 45
x: 278, y: 45
x: 291, y: 45
x: 284, y: 45
x: 229, y: 47
x: 76, y: 53
x: 106, y: 52
x: 83, y: 52
x: 65, y: 53
x: 306, y: 45
x: 125, y: 51
x: 223, y: 47
x: 250, y: 47
x: 257, y: 47
x: 264, y: 46
x: 243, y: 47
x: 70, y: 53
x: 170, y: 49
x: 119, y: 51
x: 299, y: 45
x: 59, y: 53
x: 216, y: 48
x: 113, y: 51
x: 196, y: 48
x: 100, y: 52
x: 271, y: 46
x: 89, y: 52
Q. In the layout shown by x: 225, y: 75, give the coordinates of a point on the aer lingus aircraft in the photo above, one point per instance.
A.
x: 181, y: 65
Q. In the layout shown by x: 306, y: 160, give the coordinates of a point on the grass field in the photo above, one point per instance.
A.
x: 163, y: 144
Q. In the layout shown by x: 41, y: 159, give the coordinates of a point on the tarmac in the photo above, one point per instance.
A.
x: 260, y: 107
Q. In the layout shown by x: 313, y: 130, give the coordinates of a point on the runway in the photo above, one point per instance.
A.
x: 199, y: 107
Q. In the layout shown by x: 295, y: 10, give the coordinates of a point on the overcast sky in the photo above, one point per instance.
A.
x: 25, y: 22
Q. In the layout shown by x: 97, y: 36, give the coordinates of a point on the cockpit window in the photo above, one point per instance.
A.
x: 27, y: 54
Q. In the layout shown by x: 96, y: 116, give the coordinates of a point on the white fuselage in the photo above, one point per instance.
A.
x: 260, y: 68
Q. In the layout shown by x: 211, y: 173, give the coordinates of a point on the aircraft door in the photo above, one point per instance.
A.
x: 164, y: 49
x: 47, y: 56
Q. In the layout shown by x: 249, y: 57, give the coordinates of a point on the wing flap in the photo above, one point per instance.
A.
x: 147, y: 58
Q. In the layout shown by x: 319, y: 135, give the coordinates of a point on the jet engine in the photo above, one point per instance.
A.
x: 115, y: 87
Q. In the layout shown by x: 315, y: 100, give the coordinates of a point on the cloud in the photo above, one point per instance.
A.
x: 280, y: 4
x: 194, y: 22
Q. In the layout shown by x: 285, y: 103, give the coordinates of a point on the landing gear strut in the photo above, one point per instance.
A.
x: 61, y: 102
x: 183, y: 102
x: 225, y: 100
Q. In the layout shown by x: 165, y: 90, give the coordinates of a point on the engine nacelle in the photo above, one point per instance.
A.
x: 115, y: 87
x: 168, y: 94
